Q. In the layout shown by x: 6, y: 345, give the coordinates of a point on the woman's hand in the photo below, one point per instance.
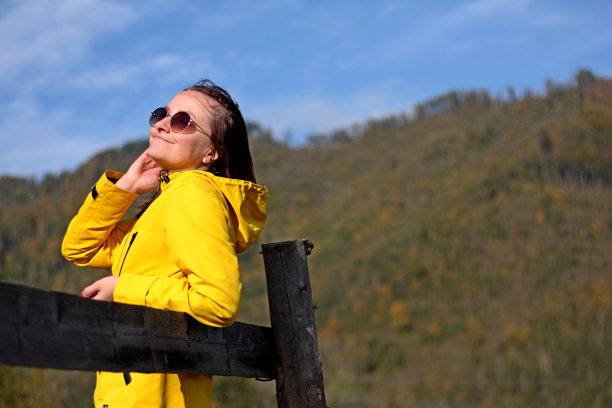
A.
x: 141, y: 176
x: 102, y: 289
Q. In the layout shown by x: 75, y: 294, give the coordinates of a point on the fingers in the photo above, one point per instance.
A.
x: 102, y: 289
x: 141, y: 176
x: 90, y: 291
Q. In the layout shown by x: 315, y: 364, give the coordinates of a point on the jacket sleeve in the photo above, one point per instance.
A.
x: 96, y: 231
x: 200, y: 238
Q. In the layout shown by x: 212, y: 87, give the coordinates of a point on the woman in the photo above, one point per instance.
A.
x: 180, y: 252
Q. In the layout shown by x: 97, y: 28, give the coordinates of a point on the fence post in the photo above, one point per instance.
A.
x: 299, y: 375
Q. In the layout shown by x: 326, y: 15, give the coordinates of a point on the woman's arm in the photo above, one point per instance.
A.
x: 200, y: 237
x: 96, y: 230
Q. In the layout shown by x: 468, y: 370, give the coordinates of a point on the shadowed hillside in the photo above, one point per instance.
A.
x: 462, y: 256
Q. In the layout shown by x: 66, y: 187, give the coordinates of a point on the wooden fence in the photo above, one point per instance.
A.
x: 58, y: 330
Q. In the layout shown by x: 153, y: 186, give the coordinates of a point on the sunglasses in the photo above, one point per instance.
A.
x: 178, y: 122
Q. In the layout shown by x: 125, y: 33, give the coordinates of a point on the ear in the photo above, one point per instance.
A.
x: 210, y: 157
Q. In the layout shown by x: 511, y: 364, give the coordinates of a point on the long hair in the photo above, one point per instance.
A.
x: 228, y: 134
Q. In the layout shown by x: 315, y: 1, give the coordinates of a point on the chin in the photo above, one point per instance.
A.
x: 156, y: 158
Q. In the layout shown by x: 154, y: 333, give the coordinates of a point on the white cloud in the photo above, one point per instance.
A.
x: 320, y: 115
x: 553, y: 20
x: 522, y: 11
x: 466, y: 28
x: 164, y: 68
x: 486, y: 8
x: 58, y: 153
x: 389, y: 8
x: 38, y: 35
x: 62, y: 62
x: 312, y: 113
x: 33, y: 139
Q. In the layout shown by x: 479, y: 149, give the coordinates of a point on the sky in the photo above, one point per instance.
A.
x: 80, y: 76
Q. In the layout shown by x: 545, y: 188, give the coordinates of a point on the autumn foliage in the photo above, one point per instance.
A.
x: 462, y: 253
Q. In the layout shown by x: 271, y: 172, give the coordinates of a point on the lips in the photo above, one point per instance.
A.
x: 156, y: 137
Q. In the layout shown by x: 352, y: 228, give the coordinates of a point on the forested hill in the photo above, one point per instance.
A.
x: 462, y: 254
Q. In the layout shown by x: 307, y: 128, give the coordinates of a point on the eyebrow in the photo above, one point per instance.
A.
x: 191, y: 115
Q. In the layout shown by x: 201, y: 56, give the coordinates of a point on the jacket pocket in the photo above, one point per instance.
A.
x: 132, y: 238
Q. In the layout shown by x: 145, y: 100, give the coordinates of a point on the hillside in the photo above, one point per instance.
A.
x: 461, y: 256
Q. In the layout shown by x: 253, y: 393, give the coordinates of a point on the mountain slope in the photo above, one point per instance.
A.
x: 461, y: 257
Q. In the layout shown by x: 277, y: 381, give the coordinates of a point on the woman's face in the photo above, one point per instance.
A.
x: 190, y: 149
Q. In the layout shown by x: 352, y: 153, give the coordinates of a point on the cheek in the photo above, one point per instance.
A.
x: 201, y: 146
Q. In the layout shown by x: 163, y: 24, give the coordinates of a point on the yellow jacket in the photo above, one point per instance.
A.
x: 181, y: 255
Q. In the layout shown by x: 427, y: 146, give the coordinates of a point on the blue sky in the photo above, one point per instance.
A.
x: 78, y: 76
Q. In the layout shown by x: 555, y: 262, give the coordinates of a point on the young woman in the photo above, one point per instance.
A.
x: 180, y: 252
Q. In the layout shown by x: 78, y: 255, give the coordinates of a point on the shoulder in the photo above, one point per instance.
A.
x: 195, y: 181
x: 192, y: 189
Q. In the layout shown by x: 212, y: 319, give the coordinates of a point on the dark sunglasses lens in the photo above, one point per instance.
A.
x: 180, y: 121
x: 157, y: 115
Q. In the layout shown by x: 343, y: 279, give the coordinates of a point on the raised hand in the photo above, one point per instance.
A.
x: 141, y: 176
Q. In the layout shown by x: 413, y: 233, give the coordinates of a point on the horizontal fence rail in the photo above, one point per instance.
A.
x: 58, y: 330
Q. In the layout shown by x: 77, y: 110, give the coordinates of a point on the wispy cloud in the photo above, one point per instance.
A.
x: 39, y: 35
x: 44, y: 46
x: 487, y: 8
x: 316, y: 115
x: 166, y: 68
x: 520, y: 12
x: 37, y: 140
x: 80, y: 75
x: 553, y: 19
x: 468, y: 27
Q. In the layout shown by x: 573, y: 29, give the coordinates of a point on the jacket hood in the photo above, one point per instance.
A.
x: 247, y: 200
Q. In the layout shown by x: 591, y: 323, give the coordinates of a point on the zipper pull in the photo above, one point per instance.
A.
x: 163, y: 176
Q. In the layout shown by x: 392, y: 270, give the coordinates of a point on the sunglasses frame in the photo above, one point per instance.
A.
x: 157, y: 118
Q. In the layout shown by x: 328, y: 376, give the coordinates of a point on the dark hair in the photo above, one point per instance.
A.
x: 228, y: 134
x: 229, y: 138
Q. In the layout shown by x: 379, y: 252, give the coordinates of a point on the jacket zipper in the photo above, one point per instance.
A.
x: 128, y: 251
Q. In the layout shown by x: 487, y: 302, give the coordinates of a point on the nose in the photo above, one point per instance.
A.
x: 163, y: 124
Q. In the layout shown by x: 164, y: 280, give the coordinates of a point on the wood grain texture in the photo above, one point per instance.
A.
x: 299, y: 375
x: 58, y: 330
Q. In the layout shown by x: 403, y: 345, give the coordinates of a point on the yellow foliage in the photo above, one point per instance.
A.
x: 540, y: 217
x: 601, y: 293
x: 383, y: 296
x: 434, y: 329
x: 383, y: 291
x: 415, y: 284
x: 357, y: 237
x: 589, y: 149
x: 475, y: 331
x: 385, y: 216
x: 447, y: 387
x: 398, y: 315
x: 332, y: 327
x: 595, y: 229
x: 519, y: 336
x: 378, y: 319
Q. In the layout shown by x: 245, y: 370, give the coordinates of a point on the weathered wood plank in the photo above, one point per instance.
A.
x: 58, y: 330
x: 299, y: 375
